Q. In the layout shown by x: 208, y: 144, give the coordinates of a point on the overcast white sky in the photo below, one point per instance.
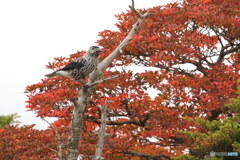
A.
x: 33, y: 32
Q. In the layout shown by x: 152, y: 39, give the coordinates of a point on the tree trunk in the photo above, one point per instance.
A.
x: 77, y: 121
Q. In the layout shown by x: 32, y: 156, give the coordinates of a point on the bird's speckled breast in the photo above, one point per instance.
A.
x: 89, y: 65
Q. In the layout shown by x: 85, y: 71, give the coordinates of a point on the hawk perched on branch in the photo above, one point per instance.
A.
x: 81, y: 67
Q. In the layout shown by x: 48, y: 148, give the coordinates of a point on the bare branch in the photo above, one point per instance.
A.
x: 108, y: 60
x: 179, y: 71
x: 135, y: 122
x: 218, y: 36
x: 134, y: 10
x: 60, y: 143
x: 104, y: 111
x: 76, y: 125
x: 223, y: 53
x: 101, y: 80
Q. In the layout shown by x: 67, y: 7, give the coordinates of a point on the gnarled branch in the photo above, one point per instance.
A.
x: 76, y: 125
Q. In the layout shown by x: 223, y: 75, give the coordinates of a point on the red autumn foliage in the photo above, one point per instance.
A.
x: 194, y: 48
x: 26, y: 143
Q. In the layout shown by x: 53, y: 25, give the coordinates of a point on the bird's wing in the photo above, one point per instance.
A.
x: 73, y: 65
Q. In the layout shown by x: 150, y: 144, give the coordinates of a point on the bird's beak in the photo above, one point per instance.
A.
x: 99, y: 50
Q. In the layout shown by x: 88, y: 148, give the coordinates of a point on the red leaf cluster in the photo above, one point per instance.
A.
x: 26, y: 143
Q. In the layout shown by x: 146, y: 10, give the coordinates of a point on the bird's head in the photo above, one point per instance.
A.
x: 94, y: 51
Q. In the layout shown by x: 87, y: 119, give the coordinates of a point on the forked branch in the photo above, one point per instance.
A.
x: 108, y: 60
x: 76, y: 125
x: 134, y: 10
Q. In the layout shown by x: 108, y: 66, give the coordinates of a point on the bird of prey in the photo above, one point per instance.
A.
x: 81, y: 67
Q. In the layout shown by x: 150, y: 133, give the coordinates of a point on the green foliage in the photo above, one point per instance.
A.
x: 214, y: 158
x: 185, y: 157
x: 9, y: 119
x: 216, y: 135
x: 235, y: 102
x: 236, y: 147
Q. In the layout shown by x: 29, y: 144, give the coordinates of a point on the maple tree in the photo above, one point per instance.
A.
x: 193, y: 47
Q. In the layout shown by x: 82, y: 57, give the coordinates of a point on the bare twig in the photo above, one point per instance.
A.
x: 60, y: 144
x: 101, y: 80
x: 134, y: 10
x: 135, y: 122
x: 108, y: 60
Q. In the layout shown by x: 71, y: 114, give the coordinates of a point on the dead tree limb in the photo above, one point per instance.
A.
x: 77, y: 120
x: 59, y: 140
x: 104, y: 113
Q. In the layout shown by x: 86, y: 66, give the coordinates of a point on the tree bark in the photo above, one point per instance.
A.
x: 102, y: 134
x: 77, y: 120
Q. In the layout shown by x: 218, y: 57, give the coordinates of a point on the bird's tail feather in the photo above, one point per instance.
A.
x: 53, y: 74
